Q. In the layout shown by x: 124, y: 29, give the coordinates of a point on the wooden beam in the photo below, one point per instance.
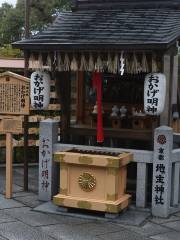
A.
x: 26, y: 117
x: 175, y: 80
x: 171, y: 88
x: 174, y: 87
x: 9, y: 159
x: 164, y: 118
x: 170, y: 68
x: 63, y: 87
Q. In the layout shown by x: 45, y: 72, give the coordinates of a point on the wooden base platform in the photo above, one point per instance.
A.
x: 92, y: 204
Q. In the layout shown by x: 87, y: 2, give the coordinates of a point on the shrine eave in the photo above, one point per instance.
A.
x: 92, y: 47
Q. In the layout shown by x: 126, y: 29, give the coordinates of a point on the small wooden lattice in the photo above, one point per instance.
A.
x: 14, y: 94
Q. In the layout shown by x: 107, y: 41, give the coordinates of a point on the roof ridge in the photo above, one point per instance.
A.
x: 105, y: 4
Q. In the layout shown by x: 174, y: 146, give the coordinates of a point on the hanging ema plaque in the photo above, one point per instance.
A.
x: 14, y: 94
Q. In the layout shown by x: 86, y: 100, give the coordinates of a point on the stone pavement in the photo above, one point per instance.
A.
x: 19, y: 220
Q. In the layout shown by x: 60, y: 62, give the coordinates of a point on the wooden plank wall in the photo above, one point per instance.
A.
x: 35, y: 117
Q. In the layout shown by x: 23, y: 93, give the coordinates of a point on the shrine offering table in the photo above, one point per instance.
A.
x: 93, y: 180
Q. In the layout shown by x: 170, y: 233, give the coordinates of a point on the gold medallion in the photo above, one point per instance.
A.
x: 87, y: 182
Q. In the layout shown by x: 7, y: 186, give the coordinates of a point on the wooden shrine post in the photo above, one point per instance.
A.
x: 10, y: 125
x: 164, y: 118
x: 26, y: 67
x: 170, y: 69
x: 14, y: 104
x: 80, y: 97
x: 26, y: 120
x: 9, y: 158
x: 64, y: 89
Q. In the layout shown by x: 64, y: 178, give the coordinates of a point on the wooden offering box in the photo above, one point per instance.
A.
x: 93, y: 180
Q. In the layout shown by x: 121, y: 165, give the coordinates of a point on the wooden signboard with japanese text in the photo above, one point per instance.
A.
x: 14, y: 94
x: 14, y: 103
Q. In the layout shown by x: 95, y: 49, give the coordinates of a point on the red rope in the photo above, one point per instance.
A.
x: 97, y: 84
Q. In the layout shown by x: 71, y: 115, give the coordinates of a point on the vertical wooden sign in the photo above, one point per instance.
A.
x: 14, y: 103
x: 14, y: 94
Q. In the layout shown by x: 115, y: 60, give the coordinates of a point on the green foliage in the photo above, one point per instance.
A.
x: 10, y: 24
x: 8, y: 51
x: 42, y: 12
x: 11, y: 27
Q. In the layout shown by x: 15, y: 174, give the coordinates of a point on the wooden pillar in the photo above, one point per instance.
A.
x: 80, y: 97
x: 9, y: 159
x: 170, y: 69
x: 164, y: 118
x: 26, y: 127
x: 63, y: 87
x: 175, y: 80
x: 26, y: 120
x: 174, y: 88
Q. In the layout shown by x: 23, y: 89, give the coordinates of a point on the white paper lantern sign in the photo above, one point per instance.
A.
x: 40, y: 90
x: 154, y: 93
